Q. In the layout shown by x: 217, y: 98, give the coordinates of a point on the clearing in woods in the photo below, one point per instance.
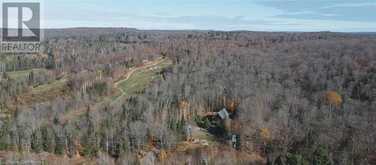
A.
x: 24, y: 74
x: 38, y: 93
x: 45, y: 92
x: 136, y: 79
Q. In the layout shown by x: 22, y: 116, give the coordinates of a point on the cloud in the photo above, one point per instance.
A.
x: 340, y: 10
x: 350, y: 5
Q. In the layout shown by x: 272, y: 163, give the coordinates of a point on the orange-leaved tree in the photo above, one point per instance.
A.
x: 333, y: 98
x: 265, y: 134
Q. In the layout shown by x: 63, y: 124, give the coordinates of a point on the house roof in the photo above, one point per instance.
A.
x: 223, y: 114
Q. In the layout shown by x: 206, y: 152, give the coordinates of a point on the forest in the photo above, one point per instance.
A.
x: 128, y: 96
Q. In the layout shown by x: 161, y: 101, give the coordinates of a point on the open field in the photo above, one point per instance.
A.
x: 45, y: 93
x: 133, y: 81
x: 24, y: 74
x: 142, y: 77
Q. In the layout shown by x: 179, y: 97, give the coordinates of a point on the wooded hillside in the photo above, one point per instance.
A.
x: 124, y: 96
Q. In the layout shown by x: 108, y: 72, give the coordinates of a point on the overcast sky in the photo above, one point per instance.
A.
x: 258, y: 15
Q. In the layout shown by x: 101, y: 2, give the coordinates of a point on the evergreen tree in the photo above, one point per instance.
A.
x: 36, y: 141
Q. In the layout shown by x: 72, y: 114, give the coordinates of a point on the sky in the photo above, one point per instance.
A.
x: 253, y: 15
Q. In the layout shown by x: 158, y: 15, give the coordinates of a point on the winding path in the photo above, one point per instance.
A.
x: 131, y: 72
x: 127, y: 75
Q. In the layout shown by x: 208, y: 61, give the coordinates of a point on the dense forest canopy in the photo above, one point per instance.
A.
x: 126, y: 96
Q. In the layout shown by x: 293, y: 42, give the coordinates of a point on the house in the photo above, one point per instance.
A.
x: 223, y: 114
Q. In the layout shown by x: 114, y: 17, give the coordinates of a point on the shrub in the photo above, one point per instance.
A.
x: 321, y: 156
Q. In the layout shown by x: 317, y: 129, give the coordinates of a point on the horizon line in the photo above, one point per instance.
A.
x: 208, y: 30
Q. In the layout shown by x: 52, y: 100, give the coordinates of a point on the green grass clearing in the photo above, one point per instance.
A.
x: 24, y: 74
x: 45, y: 92
x: 139, y: 80
x: 50, y: 86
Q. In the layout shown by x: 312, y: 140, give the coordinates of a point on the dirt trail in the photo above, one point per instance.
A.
x: 127, y: 75
x: 144, y: 66
x: 131, y: 72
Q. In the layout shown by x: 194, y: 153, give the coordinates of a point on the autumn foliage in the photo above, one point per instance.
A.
x: 183, y: 105
x: 265, y: 134
x: 162, y: 155
x: 333, y: 98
